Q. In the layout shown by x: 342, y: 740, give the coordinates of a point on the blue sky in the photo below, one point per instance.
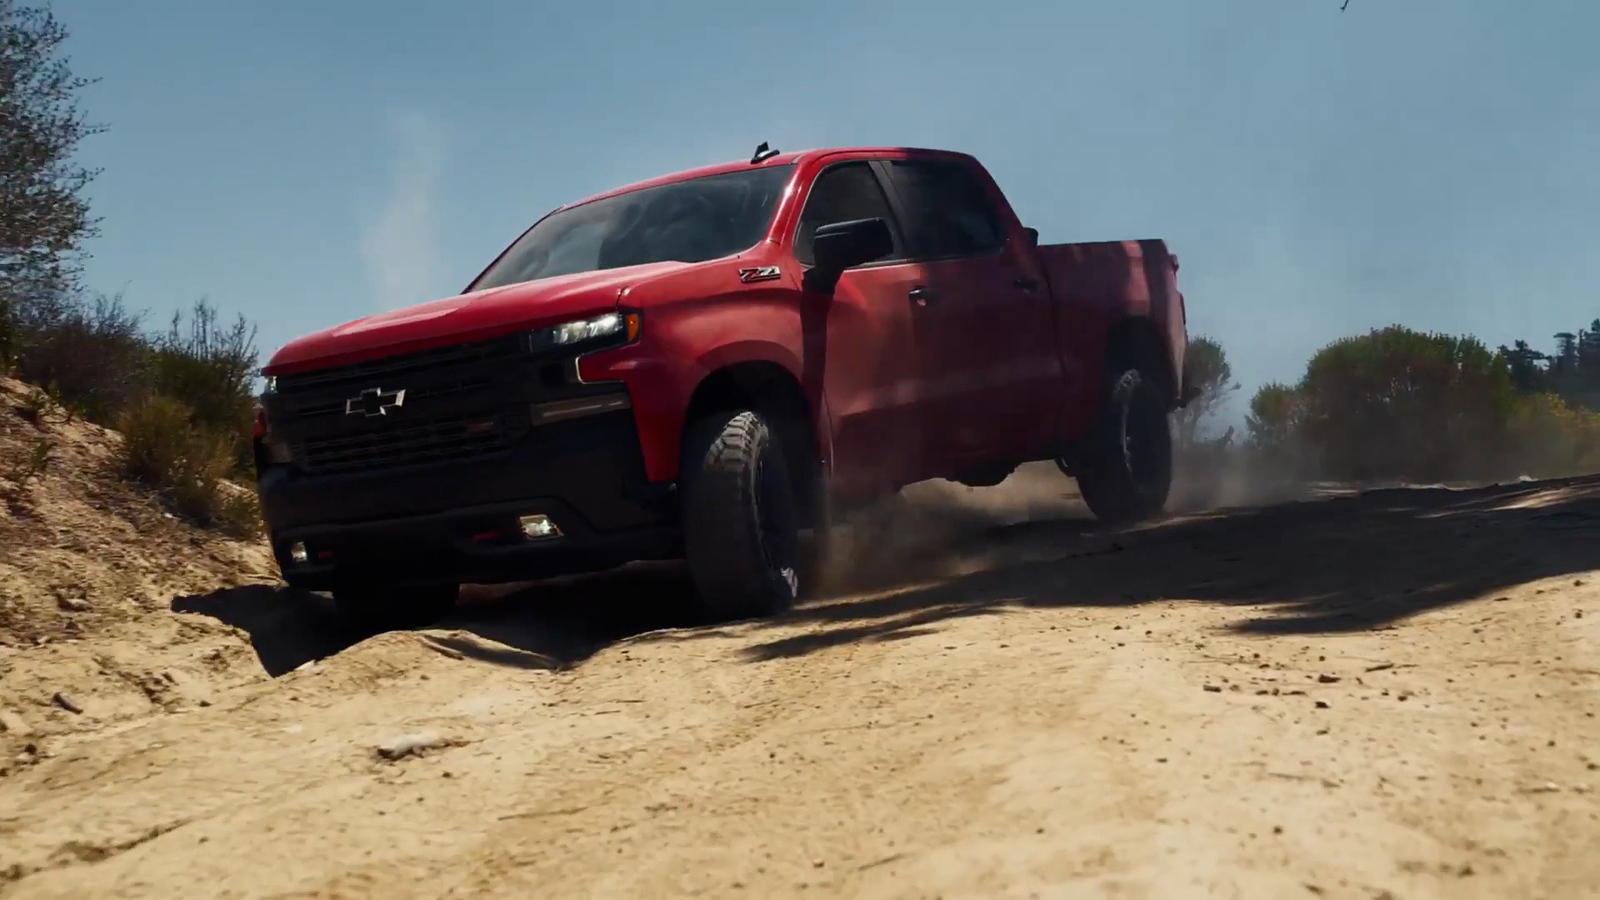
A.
x: 1434, y: 163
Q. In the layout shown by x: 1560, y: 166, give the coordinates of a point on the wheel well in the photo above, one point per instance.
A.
x: 773, y: 391
x: 1138, y: 342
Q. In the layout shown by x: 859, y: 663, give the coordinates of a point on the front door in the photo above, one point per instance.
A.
x: 864, y: 357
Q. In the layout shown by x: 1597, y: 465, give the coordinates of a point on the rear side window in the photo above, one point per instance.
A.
x: 948, y: 212
x: 842, y: 193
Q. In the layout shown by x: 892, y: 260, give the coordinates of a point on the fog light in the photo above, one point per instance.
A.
x: 298, y: 554
x: 278, y: 453
x: 538, y: 528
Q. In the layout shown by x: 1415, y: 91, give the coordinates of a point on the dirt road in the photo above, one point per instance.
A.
x: 1389, y: 695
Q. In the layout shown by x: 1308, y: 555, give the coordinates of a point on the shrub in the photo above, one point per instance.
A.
x: 1206, y: 369
x: 1549, y: 438
x: 211, y: 369
x: 1275, y: 442
x: 1276, y: 412
x: 183, y: 399
x: 1401, y: 403
x: 186, y: 463
x: 90, y: 356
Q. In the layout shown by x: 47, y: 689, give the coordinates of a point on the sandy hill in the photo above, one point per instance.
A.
x: 85, y: 559
x: 1381, y: 693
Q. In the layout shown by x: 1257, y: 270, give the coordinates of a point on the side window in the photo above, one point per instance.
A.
x: 842, y: 193
x: 948, y: 212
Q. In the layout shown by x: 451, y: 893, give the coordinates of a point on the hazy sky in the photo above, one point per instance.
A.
x: 1430, y: 162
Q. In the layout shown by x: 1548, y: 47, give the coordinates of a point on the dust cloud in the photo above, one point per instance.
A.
x: 939, y: 530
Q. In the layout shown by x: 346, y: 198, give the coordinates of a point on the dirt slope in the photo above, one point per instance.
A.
x: 1392, y: 694
x: 88, y: 570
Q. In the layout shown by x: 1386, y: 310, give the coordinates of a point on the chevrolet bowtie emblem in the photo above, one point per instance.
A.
x: 374, y: 402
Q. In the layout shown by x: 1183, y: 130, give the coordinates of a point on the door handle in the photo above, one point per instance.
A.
x: 921, y: 296
x: 1025, y: 283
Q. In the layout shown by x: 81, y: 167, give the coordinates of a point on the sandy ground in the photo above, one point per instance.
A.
x: 1384, y: 695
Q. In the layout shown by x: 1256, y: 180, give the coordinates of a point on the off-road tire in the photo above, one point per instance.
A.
x: 740, y: 520
x: 377, y: 609
x: 1125, y: 473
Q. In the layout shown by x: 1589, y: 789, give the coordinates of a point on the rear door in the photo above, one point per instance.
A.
x: 985, y: 330
x: 859, y: 343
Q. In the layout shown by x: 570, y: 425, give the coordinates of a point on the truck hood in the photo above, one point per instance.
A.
x: 467, y: 317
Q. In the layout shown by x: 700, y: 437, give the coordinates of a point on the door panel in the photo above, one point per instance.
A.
x: 870, y: 380
x: 994, y: 338
x: 861, y: 340
x: 1021, y: 393
x: 985, y: 341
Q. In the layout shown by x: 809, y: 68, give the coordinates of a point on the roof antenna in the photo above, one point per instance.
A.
x: 763, y: 153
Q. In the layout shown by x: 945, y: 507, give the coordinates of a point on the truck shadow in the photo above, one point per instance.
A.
x: 1365, y: 562
x: 1349, y: 564
x: 563, y: 621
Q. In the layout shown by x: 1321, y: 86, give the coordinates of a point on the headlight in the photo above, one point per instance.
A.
x: 601, y: 331
x: 586, y: 330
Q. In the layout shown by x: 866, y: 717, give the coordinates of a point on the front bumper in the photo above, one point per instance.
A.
x: 456, y: 521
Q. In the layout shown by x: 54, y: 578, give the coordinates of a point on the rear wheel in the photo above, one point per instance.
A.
x: 741, y: 522
x: 375, y: 609
x: 1125, y: 472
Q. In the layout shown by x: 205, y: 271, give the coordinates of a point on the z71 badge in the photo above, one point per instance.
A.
x: 759, y: 273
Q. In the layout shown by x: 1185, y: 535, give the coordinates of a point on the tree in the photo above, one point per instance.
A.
x: 1522, y: 361
x: 1206, y: 368
x: 44, y: 215
x: 1565, y: 362
x: 1589, y: 350
x: 1402, y: 403
x: 1275, y: 416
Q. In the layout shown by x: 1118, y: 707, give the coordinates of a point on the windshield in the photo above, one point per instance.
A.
x: 686, y: 221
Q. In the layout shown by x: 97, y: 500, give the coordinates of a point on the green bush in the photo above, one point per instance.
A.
x: 1398, y: 403
x: 186, y: 463
x: 211, y: 369
x: 1402, y: 404
x: 183, y: 399
x: 1275, y: 416
x: 1206, y: 369
x: 90, y: 355
x: 1550, y: 438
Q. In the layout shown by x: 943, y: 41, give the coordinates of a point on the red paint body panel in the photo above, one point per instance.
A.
x: 1096, y: 284
x: 1002, y: 368
x: 467, y: 317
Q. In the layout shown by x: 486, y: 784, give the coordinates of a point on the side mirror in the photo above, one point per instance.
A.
x: 1033, y: 237
x: 845, y: 245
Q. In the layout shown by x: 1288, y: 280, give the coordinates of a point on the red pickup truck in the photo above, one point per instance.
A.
x: 712, y: 366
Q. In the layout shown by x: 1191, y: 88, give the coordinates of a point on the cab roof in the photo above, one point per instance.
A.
x: 782, y: 159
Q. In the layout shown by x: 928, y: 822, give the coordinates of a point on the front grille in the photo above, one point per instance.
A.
x: 459, y: 402
x: 446, y: 438
x: 414, y: 395
x: 365, y: 374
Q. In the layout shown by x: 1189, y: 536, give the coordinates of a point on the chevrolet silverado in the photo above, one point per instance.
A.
x: 714, y: 366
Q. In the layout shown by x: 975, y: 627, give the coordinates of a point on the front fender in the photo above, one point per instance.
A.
x: 678, y: 352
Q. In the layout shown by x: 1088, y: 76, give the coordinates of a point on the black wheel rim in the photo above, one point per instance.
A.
x: 1145, y: 446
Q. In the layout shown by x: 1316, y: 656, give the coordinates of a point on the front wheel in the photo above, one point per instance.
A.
x: 741, y: 523
x: 1125, y: 473
x: 377, y: 609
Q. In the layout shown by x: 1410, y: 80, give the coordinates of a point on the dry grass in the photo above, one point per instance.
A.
x: 187, y: 464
